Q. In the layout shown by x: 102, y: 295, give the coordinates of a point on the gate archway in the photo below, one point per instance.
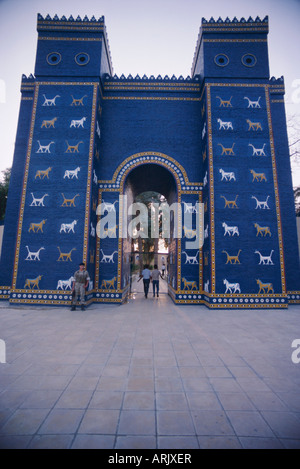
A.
x: 163, y: 174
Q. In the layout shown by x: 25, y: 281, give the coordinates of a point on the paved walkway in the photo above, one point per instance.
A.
x: 149, y: 374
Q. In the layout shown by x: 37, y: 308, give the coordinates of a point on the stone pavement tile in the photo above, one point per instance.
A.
x: 6, y: 380
x: 209, y: 359
x: 99, y: 421
x: 174, y: 423
x: 106, y: 400
x: 217, y: 372
x: 235, y: 401
x: 93, y: 442
x: 219, y: 442
x: 176, y: 442
x: 88, y: 370
x: 112, y: 383
x: 242, y: 372
x: 168, y: 384
x: 232, y: 360
x: 290, y: 399
x: 142, y: 361
x: 282, y: 384
x: 139, y: 371
x: 5, y: 414
x: 139, y: 401
x: 284, y: 424
x: 140, y: 383
x: 12, y: 398
x: 115, y: 371
x: 119, y: 360
x: 53, y: 369
x: 167, y: 372
x: 196, y: 384
x: 187, y: 360
x: 83, y: 383
x: 51, y: 442
x: 290, y: 443
x: 135, y: 442
x: 260, y: 443
x: 171, y: 401
x: 211, y: 422
x: 73, y: 399
x: 136, y: 422
x: 96, y: 358
x: 192, y: 372
x: 41, y: 399
x: 267, y: 401
x: 14, y: 441
x: 247, y: 423
x: 160, y: 361
x: 253, y: 384
x: 225, y: 385
x: 61, y: 421
x: 203, y: 401
x: 27, y: 383
x: 24, y: 422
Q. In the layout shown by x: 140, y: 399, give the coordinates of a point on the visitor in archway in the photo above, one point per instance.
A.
x: 155, y: 274
x: 145, y: 275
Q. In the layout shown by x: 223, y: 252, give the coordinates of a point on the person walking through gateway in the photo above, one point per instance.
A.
x: 145, y: 275
x: 155, y: 274
x: 80, y: 283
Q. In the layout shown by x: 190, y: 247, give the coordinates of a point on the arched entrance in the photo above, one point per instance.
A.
x: 151, y: 186
x: 150, y: 171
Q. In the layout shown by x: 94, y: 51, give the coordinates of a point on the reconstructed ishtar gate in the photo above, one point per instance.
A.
x: 217, y: 138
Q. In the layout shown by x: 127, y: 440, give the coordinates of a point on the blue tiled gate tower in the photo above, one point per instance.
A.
x: 217, y: 138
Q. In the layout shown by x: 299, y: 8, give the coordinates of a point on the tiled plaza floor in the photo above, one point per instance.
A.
x: 149, y: 374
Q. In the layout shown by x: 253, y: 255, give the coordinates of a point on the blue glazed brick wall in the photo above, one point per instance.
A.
x: 85, y: 137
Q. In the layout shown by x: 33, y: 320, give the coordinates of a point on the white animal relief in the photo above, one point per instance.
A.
x: 257, y: 151
x: 50, y: 101
x: 33, y: 256
x: 232, y: 287
x: 108, y: 258
x: 189, y: 208
x: 230, y: 230
x: 72, y: 173
x: 227, y: 175
x: 78, y: 123
x: 191, y: 259
x: 224, y: 125
x: 253, y: 104
x: 44, y: 148
x: 65, y: 284
x: 38, y: 202
x: 261, y: 203
x: 265, y: 260
x: 68, y: 227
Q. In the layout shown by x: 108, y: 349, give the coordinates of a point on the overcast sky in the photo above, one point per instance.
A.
x: 152, y: 37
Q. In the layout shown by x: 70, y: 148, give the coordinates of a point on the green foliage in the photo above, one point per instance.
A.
x: 4, y: 183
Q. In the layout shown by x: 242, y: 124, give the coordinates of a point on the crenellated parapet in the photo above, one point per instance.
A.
x: 57, y: 22
x: 151, y: 78
x: 234, y: 22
